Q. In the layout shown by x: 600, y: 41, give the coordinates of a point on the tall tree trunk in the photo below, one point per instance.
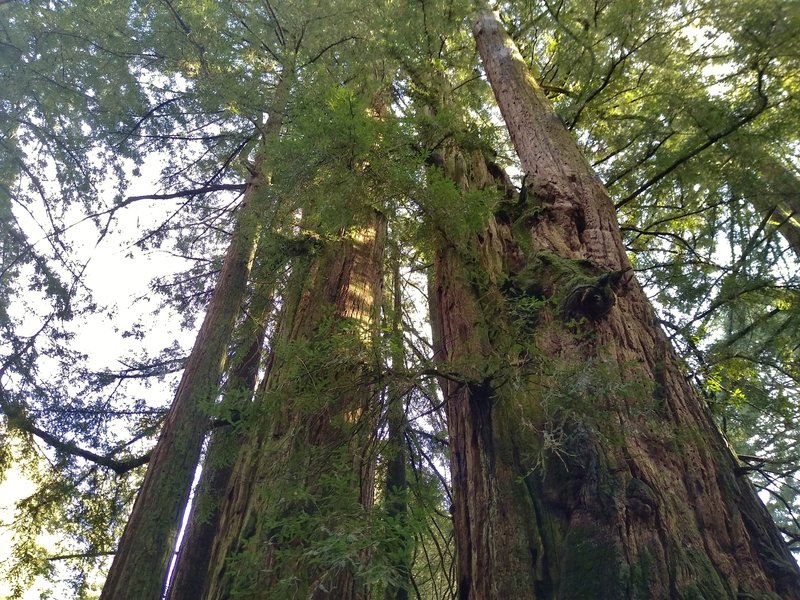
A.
x: 396, y: 489
x: 305, y: 475
x: 194, y: 555
x: 584, y: 465
x: 491, y: 563
x: 140, y: 565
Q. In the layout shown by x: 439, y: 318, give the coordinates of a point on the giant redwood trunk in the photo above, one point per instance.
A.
x: 304, y: 477
x: 191, y: 564
x: 584, y: 465
x: 140, y: 564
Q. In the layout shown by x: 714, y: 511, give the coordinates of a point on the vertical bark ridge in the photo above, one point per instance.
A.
x: 194, y: 554
x: 585, y: 466
x: 139, y: 568
x: 396, y: 488
x: 316, y: 415
x: 492, y: 556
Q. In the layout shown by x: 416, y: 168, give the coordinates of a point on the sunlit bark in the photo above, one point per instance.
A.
x: 310, y: 459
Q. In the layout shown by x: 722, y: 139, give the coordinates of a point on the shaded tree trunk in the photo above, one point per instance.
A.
x: 305, y: 475
x: 194, y: 555
x: 140, y: 565
x: 584, y: 465
x: 141, y: 561
x: 396, y: 489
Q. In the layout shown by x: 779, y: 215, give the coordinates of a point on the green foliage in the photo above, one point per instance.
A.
x: 453, y: 215
x: 688, y: 113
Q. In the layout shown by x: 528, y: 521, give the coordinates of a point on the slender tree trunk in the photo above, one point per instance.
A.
x: 584, y: 465
x: 140, y: 565
x: 396, y: 489
x: 305, y: 476
x: 194, y: 555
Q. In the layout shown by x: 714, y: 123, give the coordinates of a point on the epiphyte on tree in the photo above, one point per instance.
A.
x: 513, y: 205
x: 578, y: 287
x: 641, y: 499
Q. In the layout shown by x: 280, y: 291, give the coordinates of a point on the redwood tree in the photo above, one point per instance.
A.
x: 310, y: 463
x: 151, y: 531
x: 584, y: 464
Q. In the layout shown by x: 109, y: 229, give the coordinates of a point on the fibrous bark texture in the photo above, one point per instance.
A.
x: 306, y: 471
x: 396, y: 486
x: 191, y: 564
x: 584, y: 464
x: 140, y: 565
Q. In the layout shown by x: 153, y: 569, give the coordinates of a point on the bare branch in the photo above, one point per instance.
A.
x: 278, y: 29
x: 326, y: 48
x: 81, y: 555
x: 237, y: 187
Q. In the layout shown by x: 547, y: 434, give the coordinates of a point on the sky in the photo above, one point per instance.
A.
x: 119, y: 275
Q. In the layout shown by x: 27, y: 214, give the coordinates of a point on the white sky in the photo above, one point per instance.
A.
x: 117, y: 274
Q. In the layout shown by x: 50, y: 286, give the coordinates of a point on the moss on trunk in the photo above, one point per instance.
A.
x: 293, y: 514
x: 584, y: 465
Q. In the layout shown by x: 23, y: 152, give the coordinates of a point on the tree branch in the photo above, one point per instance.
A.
x: 18, y: 420
x: 326, y: 48
x: 761, y: 106
x: 82, y: 555
x: 236, y: 187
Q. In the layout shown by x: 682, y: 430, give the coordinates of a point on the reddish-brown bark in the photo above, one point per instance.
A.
x: 191, y: 564
x: 139, y: 568
x: 140, y: 564
x: 584, y: 465
x: 310, y: 452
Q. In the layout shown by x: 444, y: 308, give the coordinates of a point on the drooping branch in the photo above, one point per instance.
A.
x: 17, y: 419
